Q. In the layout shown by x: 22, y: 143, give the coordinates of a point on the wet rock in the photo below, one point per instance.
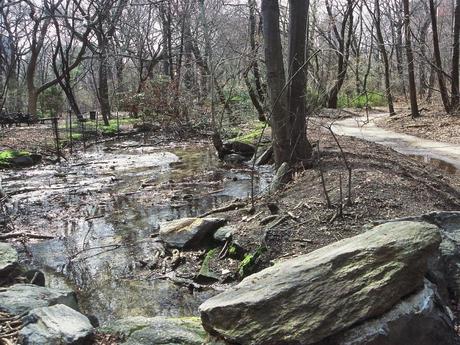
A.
x: 420, y: 319
x: 22, y: 161
x: 281, y: 177
x: 8, y: 258
x: 21, y: 298
x: 56, y: 325
x: 306, y: 299
x: 140, y: 330
x: 265, y: 157
x: 224, y: 233
x: 189, y: 232
x: 206, y: 275
x: 238, y: 147
x: 234, y: 158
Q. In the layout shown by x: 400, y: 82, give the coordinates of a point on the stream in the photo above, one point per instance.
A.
x: 104, y: 205
x: 444, y: 156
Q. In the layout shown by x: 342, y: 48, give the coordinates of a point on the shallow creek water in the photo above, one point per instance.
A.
x: 104, y: 206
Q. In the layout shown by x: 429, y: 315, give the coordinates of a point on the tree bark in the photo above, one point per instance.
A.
x: 455, y: 89
x: 383, y: 51
x: 299, y: 146
x: 437, y: 59
x: 276, y: 80
x: 410, y: 61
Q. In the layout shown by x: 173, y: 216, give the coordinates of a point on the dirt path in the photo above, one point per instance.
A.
x: 363, y: 128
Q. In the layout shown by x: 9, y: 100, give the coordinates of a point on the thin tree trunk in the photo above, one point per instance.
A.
x: 437, y: 59
x: 455, y: 89
x: 383, y: 51
x: 410, y: 61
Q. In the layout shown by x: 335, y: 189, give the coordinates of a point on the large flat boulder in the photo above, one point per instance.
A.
x: 56, y: 325
x: 21, y: 298
x: 189, y: 232
x: 8, y: 258
x: 306, y: 299
x: 420, y: 319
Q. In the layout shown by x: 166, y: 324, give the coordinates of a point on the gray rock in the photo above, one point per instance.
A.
x: 281, y: 177
x: 56, y: 325
x: 140, y: 330
x: 420, y: 319
x: 8, y: 258
x: 444, y: 267
x: 265, y: 157
x: 224, y: 233
x: 234, y: 158
x: 306, y: 299
x: 189, y: 232
x: 22, y: 161
x: 21, y: 298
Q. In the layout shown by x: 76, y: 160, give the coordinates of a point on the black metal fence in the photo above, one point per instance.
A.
x: 59, y: 134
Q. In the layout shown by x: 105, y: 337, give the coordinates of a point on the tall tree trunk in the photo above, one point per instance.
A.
x: 103, y: 83
x: 299, y: 146
x: 455, y: 89
x: 437, y: 59
x: 344, y: 39
x: 422, y: 65
x: 383, y: 51
x: 399, y: 57
x: 410, y: 61
x: 276, y: 80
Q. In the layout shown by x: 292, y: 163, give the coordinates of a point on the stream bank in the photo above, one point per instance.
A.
x: 104, y: 209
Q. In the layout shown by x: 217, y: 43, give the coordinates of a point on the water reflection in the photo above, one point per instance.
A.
x: 98, y: 255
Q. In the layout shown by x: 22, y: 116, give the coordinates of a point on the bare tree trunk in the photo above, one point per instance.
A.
x: 410, y: 61
x: 103, y: 83
x: 299, y: 146
x: 422, y: 65
x: 276, y: 81
x: 455, y: 89
x: 383, y: 51
x: 344, y: 39
x: 437, y: 59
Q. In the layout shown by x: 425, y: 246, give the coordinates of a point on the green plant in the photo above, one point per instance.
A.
x: 249, y: 263
x: 372, y: 99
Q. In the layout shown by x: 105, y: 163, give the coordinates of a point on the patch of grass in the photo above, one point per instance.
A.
x: 374, y: 99
x: 76, y: 136
x: 7, y: 155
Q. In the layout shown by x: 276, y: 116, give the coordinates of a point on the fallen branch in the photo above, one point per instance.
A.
x: 24, y: 234
x: 231, y: 207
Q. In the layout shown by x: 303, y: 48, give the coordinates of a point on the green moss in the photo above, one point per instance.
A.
x: 249, y: 263
x: 205, y: 271
x: 232, y: 251
x: 253, y: 135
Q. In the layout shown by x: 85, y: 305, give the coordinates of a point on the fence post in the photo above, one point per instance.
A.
x: 56, y: 137
x: 70, y: 131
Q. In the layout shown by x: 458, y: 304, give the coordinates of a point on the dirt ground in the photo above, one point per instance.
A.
x: 384, y: 185
x: 434, y: 124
